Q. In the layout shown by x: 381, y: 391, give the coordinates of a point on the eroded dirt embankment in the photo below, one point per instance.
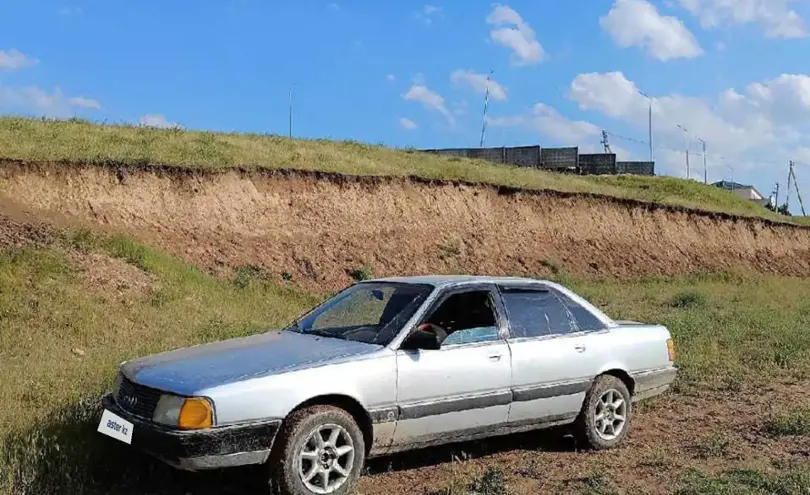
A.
x: 318, y: 227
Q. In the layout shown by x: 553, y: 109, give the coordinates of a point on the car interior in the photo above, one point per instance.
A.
x: 464, y: 318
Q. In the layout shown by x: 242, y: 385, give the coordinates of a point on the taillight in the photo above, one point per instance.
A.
x: 671, y: 349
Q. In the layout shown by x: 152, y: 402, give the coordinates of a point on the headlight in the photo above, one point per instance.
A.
x: 168, y: 408
x: 191, y: 413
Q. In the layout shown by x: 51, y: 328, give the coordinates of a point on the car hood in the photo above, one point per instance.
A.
x: 189, y: 370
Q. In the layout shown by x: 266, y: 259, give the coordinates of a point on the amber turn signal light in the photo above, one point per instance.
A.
x: 195, y: 414
x: 671, y: 349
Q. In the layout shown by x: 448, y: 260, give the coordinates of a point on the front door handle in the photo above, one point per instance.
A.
x: 494, y: 357
x: 579, y: 348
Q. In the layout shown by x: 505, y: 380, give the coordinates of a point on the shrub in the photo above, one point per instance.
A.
x: 688, y: 299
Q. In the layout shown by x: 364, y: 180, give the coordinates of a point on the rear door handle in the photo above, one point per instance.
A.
x: 579, y: 348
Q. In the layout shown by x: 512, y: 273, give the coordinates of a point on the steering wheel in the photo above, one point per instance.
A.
x: 440, y: 332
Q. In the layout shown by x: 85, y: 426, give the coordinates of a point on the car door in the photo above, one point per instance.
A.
x: 463, y: 388
x: 551, y: 366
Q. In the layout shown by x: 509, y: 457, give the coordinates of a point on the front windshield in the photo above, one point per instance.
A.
x: 372, y: 312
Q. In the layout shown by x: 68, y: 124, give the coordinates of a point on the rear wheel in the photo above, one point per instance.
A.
x: 606, y: 412
x: 320, y: 450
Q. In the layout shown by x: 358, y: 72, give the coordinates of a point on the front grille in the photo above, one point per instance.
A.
x: 137, y: 399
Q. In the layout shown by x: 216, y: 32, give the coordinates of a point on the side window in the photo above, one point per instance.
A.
x: 467, y: 317
x: 535, y: 313
x: 585, y: 320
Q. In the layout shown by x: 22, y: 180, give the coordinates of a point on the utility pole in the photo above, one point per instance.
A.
x: 787, y: 194
x: 650, y: 100
x: 486, y: 105
x: 796, y: 185
x: 686, y: 147
x: 605, y: 143
x: 705, y: 168
x: 776, y: 197
x: 291, y: 112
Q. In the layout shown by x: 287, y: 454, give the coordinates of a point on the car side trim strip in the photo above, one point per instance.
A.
x: 525, y: 394
x: 421, y: 410
x: 482, y: 401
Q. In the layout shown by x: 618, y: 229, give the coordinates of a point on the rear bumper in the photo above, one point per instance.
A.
x: 654, y: 382
x: 204, y: 449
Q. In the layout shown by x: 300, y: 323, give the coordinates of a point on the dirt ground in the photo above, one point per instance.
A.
x: 715, y: 432
x: 319, y: 230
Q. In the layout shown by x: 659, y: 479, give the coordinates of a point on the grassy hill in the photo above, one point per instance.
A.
x: 85, y: 142
x: 74, y: 304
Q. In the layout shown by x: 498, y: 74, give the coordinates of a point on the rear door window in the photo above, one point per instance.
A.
x: 584, y: 319
x: 535, y: 313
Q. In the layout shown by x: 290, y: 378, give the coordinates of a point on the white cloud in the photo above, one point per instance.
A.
x: 776, y: 17
x: 765, y: 123
x: 431, y: 100
x: 461, y: 108
x: 390, y: 78
x: 478, y: 82
x: 14, y: 59
x: 157, y: 120
x: 514, y: 33
x: 429, y: 13
x: 548, y: 122
x: 82, y: 102
x: 34, y: 100
x: 637, y: 23
x: 407, y: 124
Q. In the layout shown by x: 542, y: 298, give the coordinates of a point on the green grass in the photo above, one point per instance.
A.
x: 714, y: 445
x: 85, y: 142
x: 791, y: 481
x: 796, y: 422
x: 750, y: 329
x: 49, y: 395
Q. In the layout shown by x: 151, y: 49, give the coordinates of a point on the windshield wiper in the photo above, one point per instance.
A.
x: 321, y: 333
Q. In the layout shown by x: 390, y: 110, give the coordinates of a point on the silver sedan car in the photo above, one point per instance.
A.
x: 390, y: 365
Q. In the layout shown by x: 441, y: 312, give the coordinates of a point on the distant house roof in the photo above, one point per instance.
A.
x: 727, y: 184
x: 736, y: 186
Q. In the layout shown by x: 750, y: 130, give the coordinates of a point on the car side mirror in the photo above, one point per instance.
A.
x: 420, y: 339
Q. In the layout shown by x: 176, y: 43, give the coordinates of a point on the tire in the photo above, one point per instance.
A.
x: 289, y: 465
x: 596, y: 434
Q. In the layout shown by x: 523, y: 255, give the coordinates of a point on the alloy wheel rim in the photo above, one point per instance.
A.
x: 326, y: 459
x: 610, y: 415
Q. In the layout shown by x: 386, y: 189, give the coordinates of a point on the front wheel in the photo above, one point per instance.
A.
x: 605, y: 417
x: 320, y: 450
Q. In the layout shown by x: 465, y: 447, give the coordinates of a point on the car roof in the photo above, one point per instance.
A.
x: 445, y: 280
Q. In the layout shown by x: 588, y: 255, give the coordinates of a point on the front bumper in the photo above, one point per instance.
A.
x: 197, y: 450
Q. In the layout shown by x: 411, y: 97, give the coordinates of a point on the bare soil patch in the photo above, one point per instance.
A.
x: 111, y: 278
x: 21, y: 230
x: 317, y: 228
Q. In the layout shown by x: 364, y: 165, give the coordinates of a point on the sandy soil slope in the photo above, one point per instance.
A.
x: 319, y: 228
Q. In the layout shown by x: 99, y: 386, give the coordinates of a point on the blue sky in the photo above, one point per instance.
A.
x: 733, y: 73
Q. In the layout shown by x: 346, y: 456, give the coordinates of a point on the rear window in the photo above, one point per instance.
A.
x: 535, y: 313
x: 585, y: 320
